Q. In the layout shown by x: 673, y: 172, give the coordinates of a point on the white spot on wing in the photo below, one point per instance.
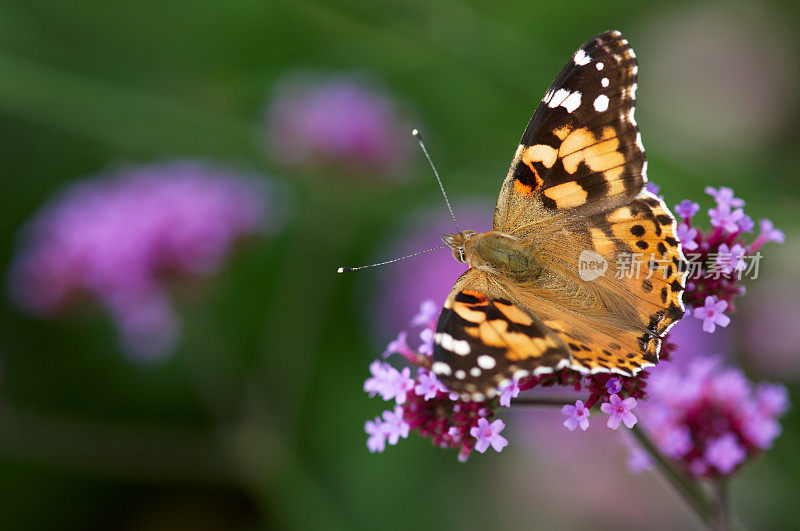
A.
x: 633, y: 90
x: 447, y: 342
x: 599, y: 65
x: 604, y: 81
x: 460, y: 375
x: 631, y: 118
x: 440, y: 367
x: 572, y: 102
x: 474, y: 372
x: 601, y: 103
x: 557, y: 98
x: 486, y: 362
x: 581, y: 58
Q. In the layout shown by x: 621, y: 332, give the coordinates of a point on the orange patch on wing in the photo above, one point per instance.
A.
x: 540, y: 153
x: 599, y: 154
x: 562, y: 132
x: 466, y: 312
x: 567, y: 194
x: 522, y: 188
x: 514, y: 314
x: 478, y: 295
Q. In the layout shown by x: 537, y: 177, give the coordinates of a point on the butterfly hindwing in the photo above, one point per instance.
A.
x: 483, y: 340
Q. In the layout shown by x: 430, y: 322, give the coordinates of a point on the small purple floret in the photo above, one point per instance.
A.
x: 618, y: 411
x: 488, y: 434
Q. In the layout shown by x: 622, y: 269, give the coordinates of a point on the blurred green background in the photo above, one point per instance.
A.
x: 257, y: 419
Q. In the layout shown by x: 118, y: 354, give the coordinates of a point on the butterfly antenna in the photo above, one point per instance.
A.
x: 418, y: 136
x: 348, y: 269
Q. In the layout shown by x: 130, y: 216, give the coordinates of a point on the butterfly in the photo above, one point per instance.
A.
x: 549, y: 288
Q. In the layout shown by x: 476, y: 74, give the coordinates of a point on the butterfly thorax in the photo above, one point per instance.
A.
x: 494, y: 252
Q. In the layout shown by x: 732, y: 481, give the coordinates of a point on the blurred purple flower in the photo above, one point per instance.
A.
x: 340, y: 122
x: 117, y: 239
x: 768, y: 234
x: 711, y: 418
x: 724, y: 218
x: 687, y: 236
x: 394, y: 425
x: 712, y: 314
x: 428, y: 385
x: 725, y: 453
x: 489, y: 434
x: 686, y: 209
x: 746, y: 224
x: 731, y: 259
x: 724, y: 197
x: 577, y: 415
x: 376, y: 442
x: 654, y: 189
x: 389, y: 382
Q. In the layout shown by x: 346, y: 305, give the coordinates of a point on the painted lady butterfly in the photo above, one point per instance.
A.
x: 576, y: 185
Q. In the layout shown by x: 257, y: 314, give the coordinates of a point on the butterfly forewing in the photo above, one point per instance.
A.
x: 582, y: 145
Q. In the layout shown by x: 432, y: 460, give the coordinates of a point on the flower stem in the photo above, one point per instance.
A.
x: 722, y: 520
x: 687, y: 488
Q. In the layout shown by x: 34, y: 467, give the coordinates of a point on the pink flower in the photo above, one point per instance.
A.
x: 389, y: 382
x: 508, y: 392
x: 619, y: 411
x: 724, y: 197
x: 120, y: 238
x: 489, y: 434
x: 337, y: 122
x: 711, y: 418
x: 723, y: 217
x: 712, y: 314
x: 613, y: 386
x: 394, y: 425
x: 399, y: 346
x: 428, y: 311
x: 686, y: 209
x: 731, y: 259
x: 577, y: 415
x: 428, y: 385
x: 724, y: 453
x: 376, y: 442
x: 768, y: 234
x: 687, y: 236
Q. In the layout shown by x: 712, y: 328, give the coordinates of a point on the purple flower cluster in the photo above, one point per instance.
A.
x: 118, y: 238
x: 426, y: 405
x: 718, y: 257
x: 429, y: 408
x: 340, y: 123
x: 710, y: 418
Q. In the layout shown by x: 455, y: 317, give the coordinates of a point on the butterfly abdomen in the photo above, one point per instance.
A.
x: 501, y: 254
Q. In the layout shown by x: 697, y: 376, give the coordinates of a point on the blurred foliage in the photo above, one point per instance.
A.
x: 258, y: 419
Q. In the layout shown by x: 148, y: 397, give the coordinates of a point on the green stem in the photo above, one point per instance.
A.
x: 688, y: 489
x: 722, y: 522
